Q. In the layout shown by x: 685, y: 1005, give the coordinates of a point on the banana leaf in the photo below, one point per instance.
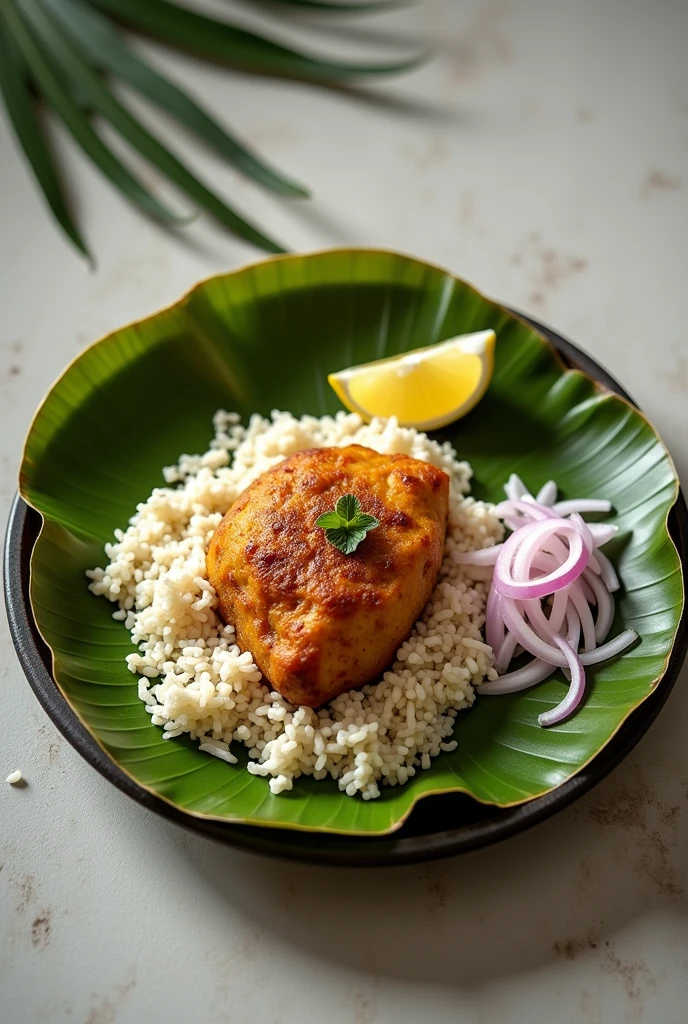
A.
x: 265, y: 337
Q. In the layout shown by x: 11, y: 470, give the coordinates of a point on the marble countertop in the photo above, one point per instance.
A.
x: 542, y: 154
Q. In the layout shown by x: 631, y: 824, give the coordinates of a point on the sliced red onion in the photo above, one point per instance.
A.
x: 565, y: 508
x: 505, y: 653
x: 544, y: 627
x: 558, y: 613
x: 528, y: 506
x: 514, y: 487
x: 554, y: 560
x: 584, y: 614
x: 481, y: 556
x: 546, y: 652
x: 527, y: 637
x: 520, y: 679
x: 605, y: 606
x: 602, y: 532
x: 607, y: 573
x: 515, y: 522
x: 526, y: 545
x: 546, y: 510
x: 547, y: 494
x: 546, y: 563
x: 506, y: 511
x: 494, y: 623
x: 573, y: 626
x: 611, y: 648
x: 529, y: 675
x: 587, y: 540
x: 572, y: 611
x: 551, y: 544
x: 540, y: 648
x: 576, y: 689
x: 538, y: 619
x: 588, y: 592
x: 519, y: 513
x: 557, y: 548
x: 532, y: 508
x: 549, y: 556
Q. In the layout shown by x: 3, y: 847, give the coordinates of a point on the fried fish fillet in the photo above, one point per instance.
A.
x: 319, y: 622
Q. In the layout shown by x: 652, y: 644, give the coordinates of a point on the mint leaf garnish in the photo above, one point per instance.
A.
x: 329, y: 521
x: 347, y: 525
x: 348, y: 508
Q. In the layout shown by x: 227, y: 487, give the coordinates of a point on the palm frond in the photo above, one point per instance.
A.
x: 236, y: 47
x: 51, y: 87
x: 100, y: 41
x: 61, y: 53
x: 69, y: 60
x: 334, y: 6
x: 15, y: 88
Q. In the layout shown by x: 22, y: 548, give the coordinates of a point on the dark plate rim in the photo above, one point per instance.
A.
x: 401, y: 847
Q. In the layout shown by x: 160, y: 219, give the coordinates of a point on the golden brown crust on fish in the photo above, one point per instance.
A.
x: 319, y: 622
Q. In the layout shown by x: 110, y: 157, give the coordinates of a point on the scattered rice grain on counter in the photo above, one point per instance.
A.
x: 193, y: 676
x: 14, y: 777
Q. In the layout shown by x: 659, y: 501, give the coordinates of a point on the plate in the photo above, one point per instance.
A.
x: 438, y: 825
x: 265, y: 336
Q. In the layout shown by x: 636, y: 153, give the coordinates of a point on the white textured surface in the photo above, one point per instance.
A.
x: 543, y: 154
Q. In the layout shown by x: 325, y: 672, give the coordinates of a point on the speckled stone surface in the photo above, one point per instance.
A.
x: 542, y: 154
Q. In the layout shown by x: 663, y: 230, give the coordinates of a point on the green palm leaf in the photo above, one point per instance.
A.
x: 235, y: 46
x: 69, y: 60
x: 14, y: 86
x: 54, y: 92
x: 334, y: 6
x: 60, y: 50
x: 101, y: 43
x: 265, y: 337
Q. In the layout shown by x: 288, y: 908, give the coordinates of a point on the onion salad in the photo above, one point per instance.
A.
x: 547, y: 575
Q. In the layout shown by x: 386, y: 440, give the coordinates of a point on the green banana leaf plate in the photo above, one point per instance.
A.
x: 264, y: 337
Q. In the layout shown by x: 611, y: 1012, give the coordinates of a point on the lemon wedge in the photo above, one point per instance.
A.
x: 427, y: 388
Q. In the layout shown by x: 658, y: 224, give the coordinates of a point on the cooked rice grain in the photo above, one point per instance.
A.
x: 194, y: 678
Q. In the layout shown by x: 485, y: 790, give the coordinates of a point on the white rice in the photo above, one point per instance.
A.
x: 195, y: 679
x: 14, y: 777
